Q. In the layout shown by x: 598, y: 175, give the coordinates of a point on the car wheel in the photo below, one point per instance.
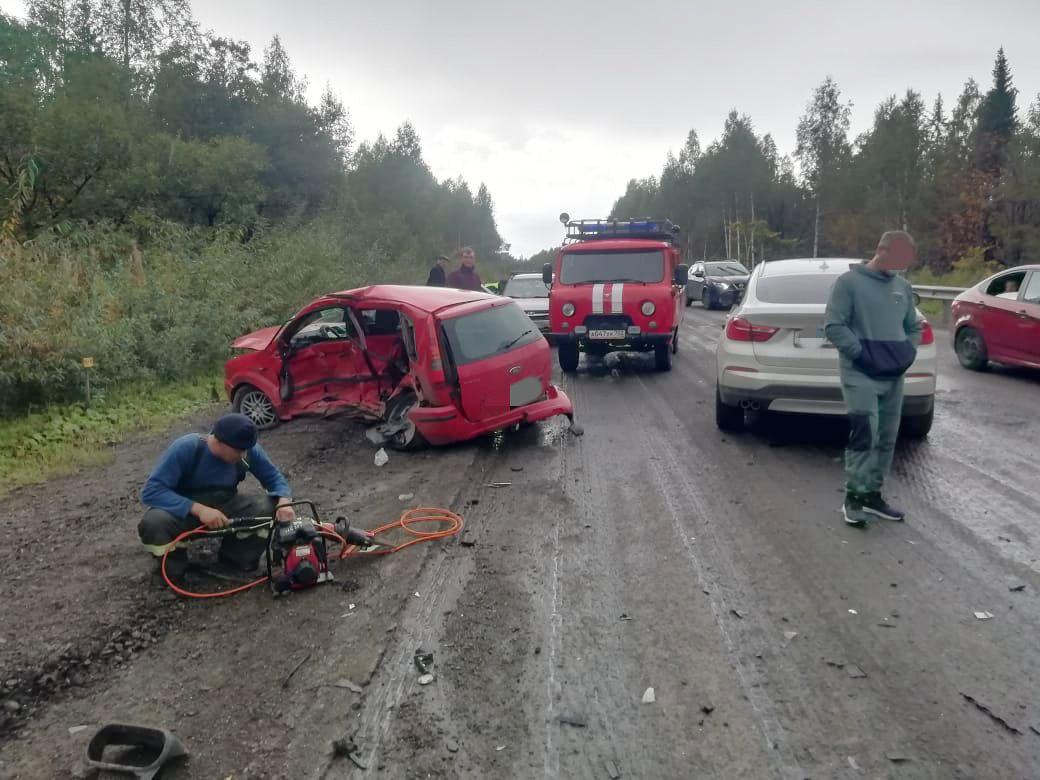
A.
x: 728, y: 418
x: 569, y: 358
x: 407, y: 437
x: 706, y: 299
x: 663, y: 357
x: 971, y: 349
x: 254, y: 404
x: 918, y: 425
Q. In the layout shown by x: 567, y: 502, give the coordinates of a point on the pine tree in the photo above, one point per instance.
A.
x: 996, y: 119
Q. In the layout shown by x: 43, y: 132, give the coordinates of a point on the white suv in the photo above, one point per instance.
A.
x: 774, y: 355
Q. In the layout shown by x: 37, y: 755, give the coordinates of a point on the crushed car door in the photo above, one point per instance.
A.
x: 384, y: 351
x: 323, y: 362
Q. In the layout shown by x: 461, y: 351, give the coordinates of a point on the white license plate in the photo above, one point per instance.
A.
x: 818, y: 341
x: 525, y: 392
x: 607, y: 334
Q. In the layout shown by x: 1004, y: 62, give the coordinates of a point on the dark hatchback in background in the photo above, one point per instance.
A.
x: 717, y: 284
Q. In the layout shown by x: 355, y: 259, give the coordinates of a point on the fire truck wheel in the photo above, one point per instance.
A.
x: 569, y: 358
x: 663, y: 357
x: 675, y: 341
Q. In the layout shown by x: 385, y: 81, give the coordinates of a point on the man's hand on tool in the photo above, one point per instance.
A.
x: 284, y: 513
x: 209, y: 517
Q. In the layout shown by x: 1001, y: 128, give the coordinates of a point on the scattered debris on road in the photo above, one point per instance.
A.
x: 612, y: 770
x: 406, y: 497
x: 159, y: 745
x: 516, y: 468
x: 736, y: 614
x: 625, y: 616
x: 381, y: 457
x: 648, y: 696
x: 983, y: 615
x: 356, y: 760
x: 1017, y: 588
x: 452, y: 746
x: 423, y: 661
x: 573, y: 720
x: 74, y: 730
x: 855, y: 672
x: 897, y: 758
x: 707, y: 709
x: 425, y: 679
x: 789, y: 635
x: 853, y: 612
x: 499, y: 484
x: 350, y: 685
x: 996, y: 718
x: 295, y: 669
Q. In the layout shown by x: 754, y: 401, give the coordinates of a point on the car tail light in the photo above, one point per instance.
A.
x: 739, y: 329
x: 927, y: 334
x: 568, y: 310
x: 648, y: 308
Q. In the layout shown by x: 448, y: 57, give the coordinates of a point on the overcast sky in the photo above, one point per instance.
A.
x: 556, y: 105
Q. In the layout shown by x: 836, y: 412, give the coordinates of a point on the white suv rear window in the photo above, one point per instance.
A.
x: 797, y: 288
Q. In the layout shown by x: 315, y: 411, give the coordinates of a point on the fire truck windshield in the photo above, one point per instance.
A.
x: 628, y: 266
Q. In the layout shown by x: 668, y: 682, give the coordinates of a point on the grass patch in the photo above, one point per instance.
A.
x: 60, y: 439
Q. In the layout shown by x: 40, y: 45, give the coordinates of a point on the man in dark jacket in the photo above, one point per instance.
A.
x: 465, y: 277
x: 872, y: 320
x: 196, y: 483
x: 439, y: 273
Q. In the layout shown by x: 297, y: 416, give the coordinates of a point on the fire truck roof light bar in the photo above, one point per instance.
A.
x: 606, y: 229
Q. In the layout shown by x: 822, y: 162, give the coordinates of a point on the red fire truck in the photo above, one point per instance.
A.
x: 616, y: 285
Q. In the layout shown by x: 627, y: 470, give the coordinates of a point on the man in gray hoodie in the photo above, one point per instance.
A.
x: 872, y: 320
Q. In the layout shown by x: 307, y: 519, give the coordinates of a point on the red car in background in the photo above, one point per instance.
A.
x: 434, y: 365
x: 999, y: 320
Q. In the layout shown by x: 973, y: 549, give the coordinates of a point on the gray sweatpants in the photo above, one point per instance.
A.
x: 875, y: 409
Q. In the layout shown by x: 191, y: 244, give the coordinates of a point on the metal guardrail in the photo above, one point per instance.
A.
x: 933, y: 292
x: 937, y: 293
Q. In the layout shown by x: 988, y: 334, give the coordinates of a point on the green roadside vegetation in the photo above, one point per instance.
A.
x: 163, y: 190
x: 62, y: 438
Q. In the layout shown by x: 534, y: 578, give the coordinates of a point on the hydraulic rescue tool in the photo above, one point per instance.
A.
x: 297, y: 553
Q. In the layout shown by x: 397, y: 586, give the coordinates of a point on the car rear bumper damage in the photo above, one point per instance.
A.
x: 447, y: 424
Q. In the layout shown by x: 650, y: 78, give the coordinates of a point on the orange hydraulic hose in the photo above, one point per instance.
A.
x: 451, y: 524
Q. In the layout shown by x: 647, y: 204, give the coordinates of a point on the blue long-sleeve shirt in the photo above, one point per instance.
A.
x: 177, y: 469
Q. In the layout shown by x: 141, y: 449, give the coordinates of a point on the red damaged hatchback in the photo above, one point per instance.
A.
x: 431, y: 364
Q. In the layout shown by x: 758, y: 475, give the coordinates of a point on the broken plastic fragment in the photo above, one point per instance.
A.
x: 789, y: 635
x: 983, y: 615
x: 381, y: 457
x: 648, y: 696
x: 426, y: 679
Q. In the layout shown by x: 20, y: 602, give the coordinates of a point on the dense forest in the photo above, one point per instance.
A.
x: 964, y: 180
x: 163, y: 190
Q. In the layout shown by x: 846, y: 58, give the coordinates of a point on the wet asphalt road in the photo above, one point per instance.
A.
x: 656, y: 552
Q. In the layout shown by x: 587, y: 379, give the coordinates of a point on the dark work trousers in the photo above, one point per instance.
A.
x: 875, y: 408
x: 158, y: 527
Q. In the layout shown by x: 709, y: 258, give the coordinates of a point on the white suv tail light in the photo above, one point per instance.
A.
x: 739, y: 329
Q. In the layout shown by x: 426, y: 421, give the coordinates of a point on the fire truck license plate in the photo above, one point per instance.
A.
x: 606, y: 334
